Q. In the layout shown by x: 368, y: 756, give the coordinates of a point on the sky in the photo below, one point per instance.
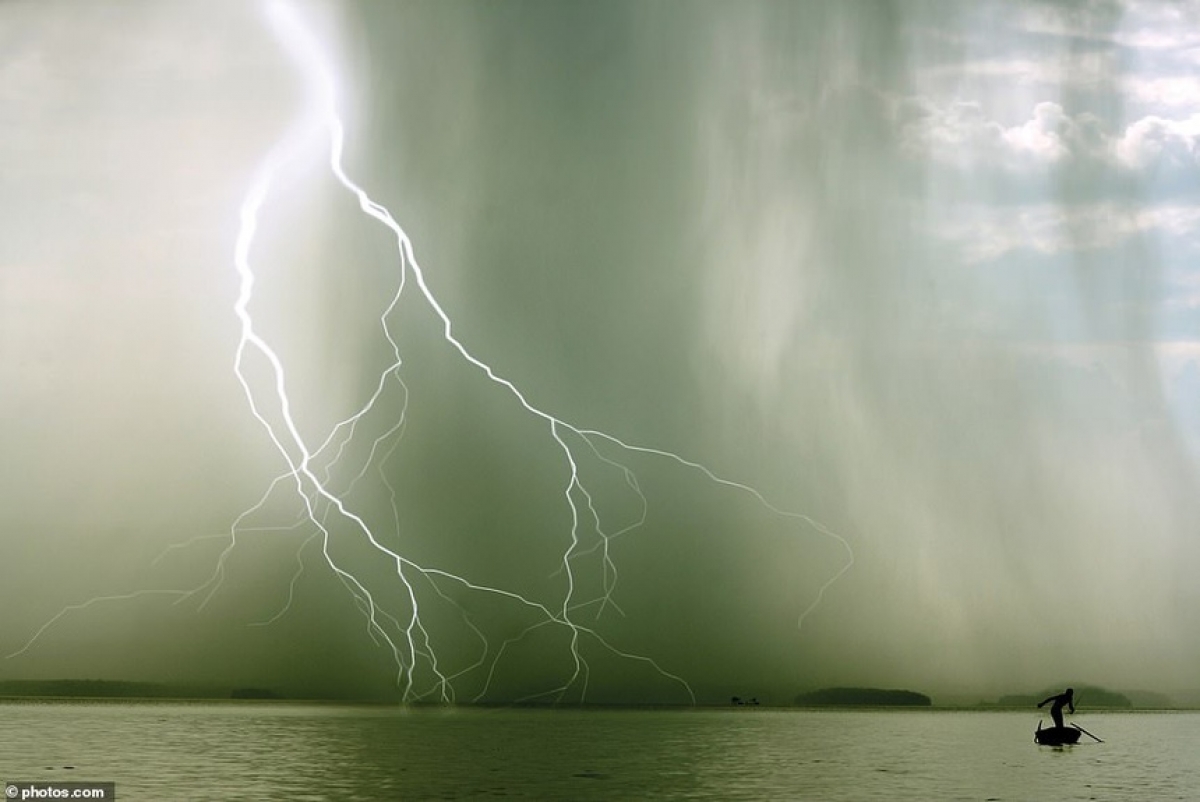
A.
x: 920, y: 273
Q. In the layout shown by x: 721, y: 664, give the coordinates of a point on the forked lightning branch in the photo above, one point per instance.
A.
x: 397, y: 613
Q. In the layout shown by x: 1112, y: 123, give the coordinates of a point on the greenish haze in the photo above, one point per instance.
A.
x: 923, y: 271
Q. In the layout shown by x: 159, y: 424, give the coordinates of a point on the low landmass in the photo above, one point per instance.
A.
x: 862, y: 697
x: 1150, y: 700
x: 1188, y: 698
x: 1085, y: 695
x: 1096, y: 697
x: 253, y: 693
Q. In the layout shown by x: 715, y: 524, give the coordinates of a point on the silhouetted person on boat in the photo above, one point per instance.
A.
x: 1066, y: 699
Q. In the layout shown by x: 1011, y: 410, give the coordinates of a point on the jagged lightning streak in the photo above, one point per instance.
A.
x: 309, y: 474
x: 291, y: 445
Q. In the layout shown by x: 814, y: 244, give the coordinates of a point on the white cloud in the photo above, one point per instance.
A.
x: 961, y: 134
x: 1001, y: 102
x: 1163, y: 91
x: 1156, y: 140
x: 1052, y: 69
x: 1043, y: 136
x: 1153, y: 25
x: 1158, y: 25
x: 983, y: 233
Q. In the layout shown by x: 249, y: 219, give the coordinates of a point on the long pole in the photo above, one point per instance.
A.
x: 1081, y: 729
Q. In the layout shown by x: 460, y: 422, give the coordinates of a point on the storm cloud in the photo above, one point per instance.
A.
x: 922, y: 272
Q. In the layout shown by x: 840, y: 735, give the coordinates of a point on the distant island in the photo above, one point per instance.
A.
x: 862, y: 697
x: 1091, y: 696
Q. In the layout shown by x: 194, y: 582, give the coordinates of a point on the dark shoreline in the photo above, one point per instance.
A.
x: 6, y: 699
x: 122, y: 691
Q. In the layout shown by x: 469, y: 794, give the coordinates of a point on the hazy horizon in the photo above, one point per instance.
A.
x: 920, y: 272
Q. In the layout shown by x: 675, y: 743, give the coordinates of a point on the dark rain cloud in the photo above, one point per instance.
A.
x: 761, y: 235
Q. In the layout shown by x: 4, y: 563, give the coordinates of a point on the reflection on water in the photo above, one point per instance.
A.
x: 253, y: 751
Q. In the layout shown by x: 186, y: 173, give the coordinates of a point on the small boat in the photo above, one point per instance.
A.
x: 1056, y: 736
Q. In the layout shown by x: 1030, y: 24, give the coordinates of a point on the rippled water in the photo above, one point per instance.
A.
x: 248, y: 751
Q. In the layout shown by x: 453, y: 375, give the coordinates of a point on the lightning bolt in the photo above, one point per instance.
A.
x: 311, y: 468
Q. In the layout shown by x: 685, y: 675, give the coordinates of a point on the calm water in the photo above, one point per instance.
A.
x: 165, y: 752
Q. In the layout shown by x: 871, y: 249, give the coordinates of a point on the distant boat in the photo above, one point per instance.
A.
x: 1056, y: 736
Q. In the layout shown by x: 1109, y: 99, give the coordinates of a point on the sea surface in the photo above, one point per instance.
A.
x: 284, y: 751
